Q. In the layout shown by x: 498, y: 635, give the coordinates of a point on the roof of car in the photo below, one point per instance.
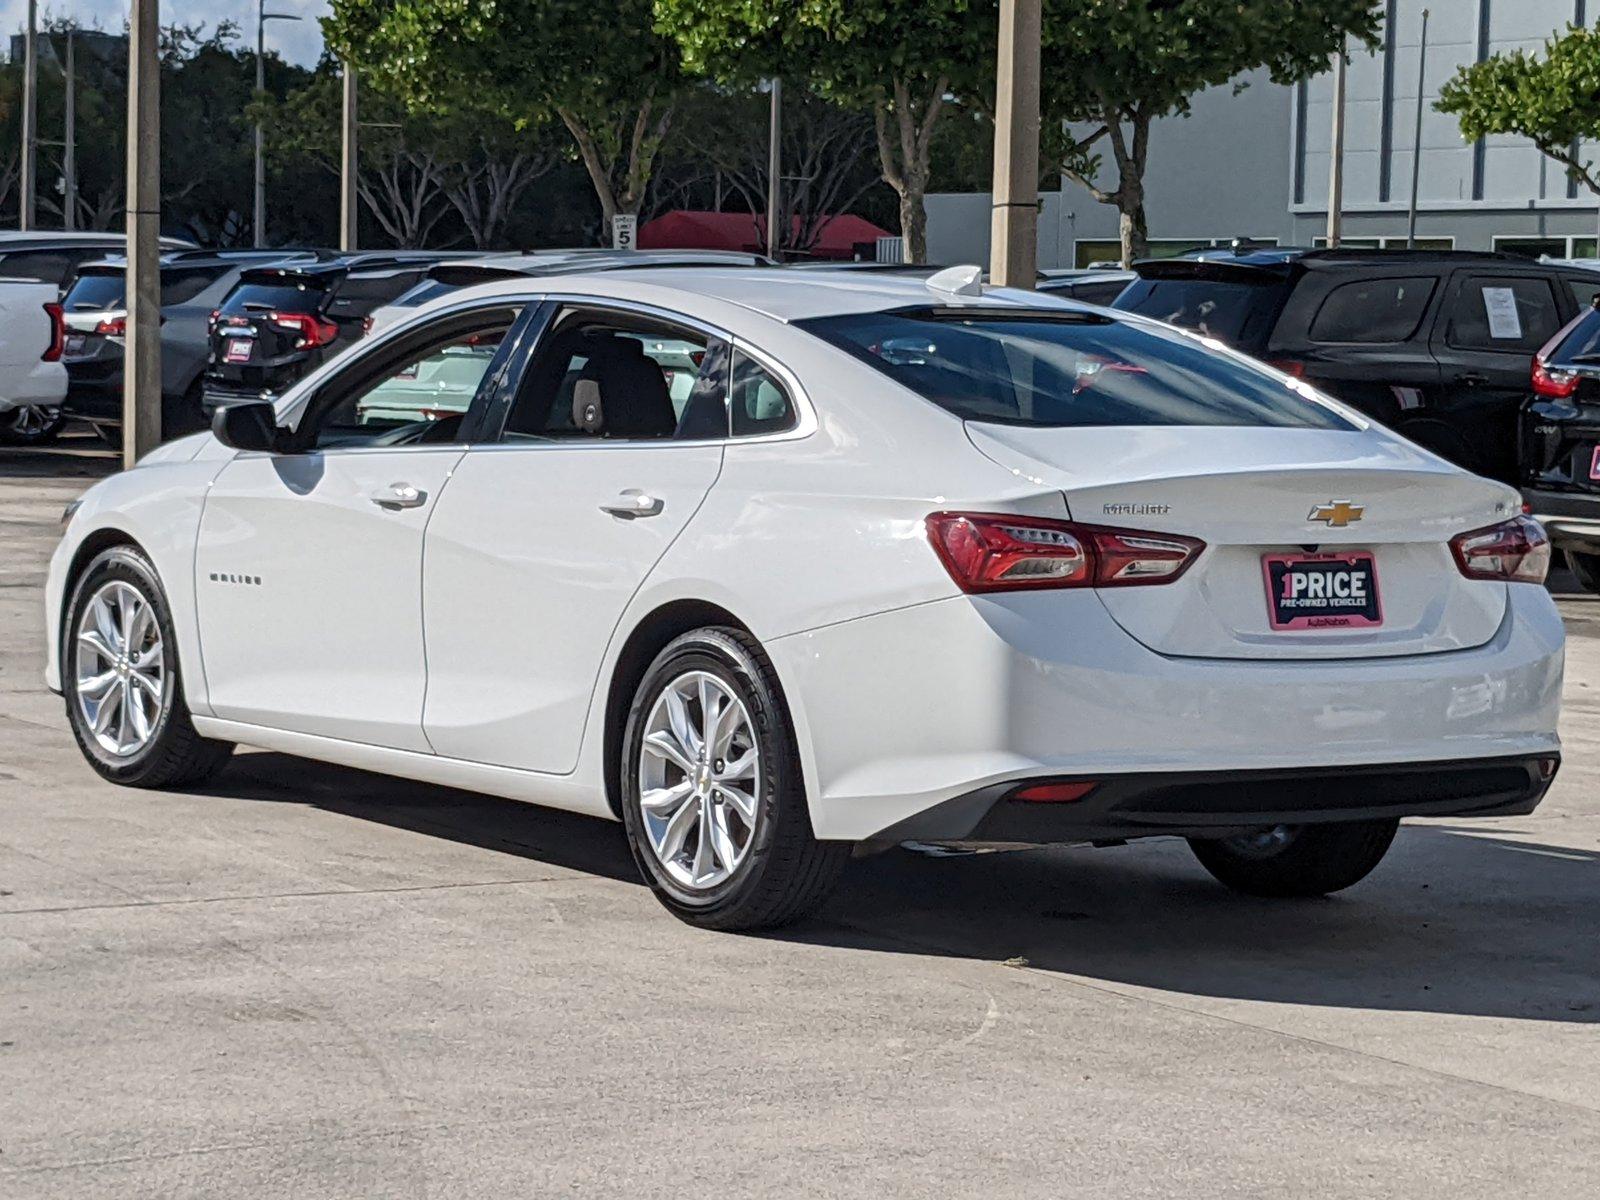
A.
x: 11, y: 239
x: 1254, y: 255
x: 331, y: 264
x: 783, y: 295
x: 205, y: 258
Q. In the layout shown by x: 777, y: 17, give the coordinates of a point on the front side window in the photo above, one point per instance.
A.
x: 422, y: 399
x: 1034, y: 370
x: 1512, y: 314
x: 1372, y: 310
x: 610, y: 376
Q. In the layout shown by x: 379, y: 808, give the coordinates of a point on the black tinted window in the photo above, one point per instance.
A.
x: 358, y: 295
x: 1052, y: 372
x: 1372, y: 310
x: 1582, y: 343
x: 1584, y: 290
x: 179, y: 286
x: 1238, y: 313
x: 1508, y: 313
x: 44, y: 266
x: 285, y: 295
x: 94, y: 293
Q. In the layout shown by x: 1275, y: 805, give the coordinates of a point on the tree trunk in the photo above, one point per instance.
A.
x: 1131, y: 223
x: 914, y: 225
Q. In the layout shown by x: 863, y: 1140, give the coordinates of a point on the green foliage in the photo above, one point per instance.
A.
x: 598, y: 68
x: 1553, y: 101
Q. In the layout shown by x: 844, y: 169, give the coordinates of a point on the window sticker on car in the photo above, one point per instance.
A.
x: 1500, y: 304
x: 1407, y: 397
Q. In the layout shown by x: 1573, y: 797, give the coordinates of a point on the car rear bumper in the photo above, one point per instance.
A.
x: 39, y: 384
x: 900, y: 713
x: 1571, y: 518
x: 1223, y: 803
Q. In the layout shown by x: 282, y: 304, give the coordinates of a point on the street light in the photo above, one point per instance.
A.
x: 262, y: 17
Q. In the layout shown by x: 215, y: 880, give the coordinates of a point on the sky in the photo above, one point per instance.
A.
x: 299, y: 41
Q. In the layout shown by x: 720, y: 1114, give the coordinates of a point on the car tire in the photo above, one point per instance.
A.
x: 137, y: 731
x: 1297, y: 860
x: 715, y: 810
x: 1586, y: 569
x: 31, y: 425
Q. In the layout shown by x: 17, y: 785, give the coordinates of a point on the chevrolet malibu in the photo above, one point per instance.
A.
x: 907, y: 559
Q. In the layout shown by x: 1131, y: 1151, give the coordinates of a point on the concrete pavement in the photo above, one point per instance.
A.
x: 306, y: 981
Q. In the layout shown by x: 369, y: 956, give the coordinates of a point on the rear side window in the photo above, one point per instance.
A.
x: 1046, y: 372
x: 1582, y: 343
x: 1506, y: 313
x: 1372, y: 310
x: 759, y: 403
x: 1236, y: 312
x: 181, y: 286
x: 94, y: 292
x: 281, y: 294
x: 43, y: 266
x: 1584, y: 290
x: 358, y: 295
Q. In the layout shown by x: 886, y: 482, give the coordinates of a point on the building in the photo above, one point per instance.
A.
x: 1255, y: 163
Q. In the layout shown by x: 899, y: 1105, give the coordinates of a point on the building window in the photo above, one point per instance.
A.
x: 1524, y: 246
x: 1387, y: 243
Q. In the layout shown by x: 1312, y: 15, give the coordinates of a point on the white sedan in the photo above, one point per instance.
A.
x: 911, y: 559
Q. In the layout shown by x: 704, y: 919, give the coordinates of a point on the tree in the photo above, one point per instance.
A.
x: 902, y: 60
x: 1554, y: 102
x: 1115, y: 66
x: 599, y: 69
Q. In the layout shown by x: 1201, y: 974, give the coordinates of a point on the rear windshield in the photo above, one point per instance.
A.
x: 1040, y: 371
x: 1238, y: 313
x: 276, y: 293
x: 1582, y: 343
x: 94, y: 293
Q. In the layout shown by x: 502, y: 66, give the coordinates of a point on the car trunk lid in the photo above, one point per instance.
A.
x: 1264, y: 496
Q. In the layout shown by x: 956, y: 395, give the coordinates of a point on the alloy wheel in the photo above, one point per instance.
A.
x: 121, y: 669
x: 699, y: 780
x: 31, y: 422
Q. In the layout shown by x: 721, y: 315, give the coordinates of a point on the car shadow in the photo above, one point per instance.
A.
x: 72, y: 456
x: 1458, y: 919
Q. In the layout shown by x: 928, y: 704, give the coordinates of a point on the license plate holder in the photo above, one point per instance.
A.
x: 74, y: 343
x: 237, y: 349
x: 1333, y: 590
x: 1594, y: 464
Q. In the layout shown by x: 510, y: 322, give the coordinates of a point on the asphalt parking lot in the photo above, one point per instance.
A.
x: 307, y: 981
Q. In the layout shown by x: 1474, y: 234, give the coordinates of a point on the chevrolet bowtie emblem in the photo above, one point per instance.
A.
x: 1337, y: 513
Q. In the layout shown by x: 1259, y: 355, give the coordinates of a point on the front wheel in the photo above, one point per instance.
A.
x: 119, y: 667
x: 1296, y: 860
x: 712, y: 795
x: 31, y: 425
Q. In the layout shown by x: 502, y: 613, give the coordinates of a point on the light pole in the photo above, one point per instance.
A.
x: 27, y: 174
x: 349, y: 161
x: 262, y: 17
x: 141, y: 376
x: 1336, y: 155
x: 1014, y: 225
x: 774, y: 166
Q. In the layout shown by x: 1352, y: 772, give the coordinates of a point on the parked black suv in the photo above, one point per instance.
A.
x: 53, y: 256
x: 94, y: 314
x: 1435, y: 344
x: 1560, y: 448
x: 280, y: 322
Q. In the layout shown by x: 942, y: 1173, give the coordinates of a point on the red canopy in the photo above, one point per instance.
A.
x: 683, y: 229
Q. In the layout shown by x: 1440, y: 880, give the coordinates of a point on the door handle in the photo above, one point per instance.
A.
x: 633, y: 504
x: 399, y: 495
x: 1471, y: 378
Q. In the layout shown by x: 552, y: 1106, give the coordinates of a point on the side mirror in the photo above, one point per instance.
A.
x: 249, y: 426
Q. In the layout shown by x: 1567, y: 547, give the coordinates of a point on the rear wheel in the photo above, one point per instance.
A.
x: 119, y: 667
x: 1296, y: 860
x: 1586, y: 568
x: 712, y: 795
x: 31, y: 425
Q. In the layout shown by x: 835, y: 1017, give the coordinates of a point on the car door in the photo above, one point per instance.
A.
x: 1493, y: 322
x: 308, y: 567
x: 603, y: 454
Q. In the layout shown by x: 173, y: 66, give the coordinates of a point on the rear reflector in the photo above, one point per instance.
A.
x: 1053, y: 793
x: 1517, y: 551
x: 993, y: 552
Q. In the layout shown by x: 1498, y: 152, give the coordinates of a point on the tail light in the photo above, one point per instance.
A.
x: 1517, y: 550
x: 992, y: 552
x: 1554, y: 383
x: 310, y: 330
x: 113, y: 327
x: 216, y: 315
x: 1054, y: 793
x: 58, y: 333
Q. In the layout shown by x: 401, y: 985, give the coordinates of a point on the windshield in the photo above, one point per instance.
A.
x: 1240, y: 314
x: 1045, y: 371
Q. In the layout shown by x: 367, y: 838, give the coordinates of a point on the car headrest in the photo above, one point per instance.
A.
x: 588, y: 412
